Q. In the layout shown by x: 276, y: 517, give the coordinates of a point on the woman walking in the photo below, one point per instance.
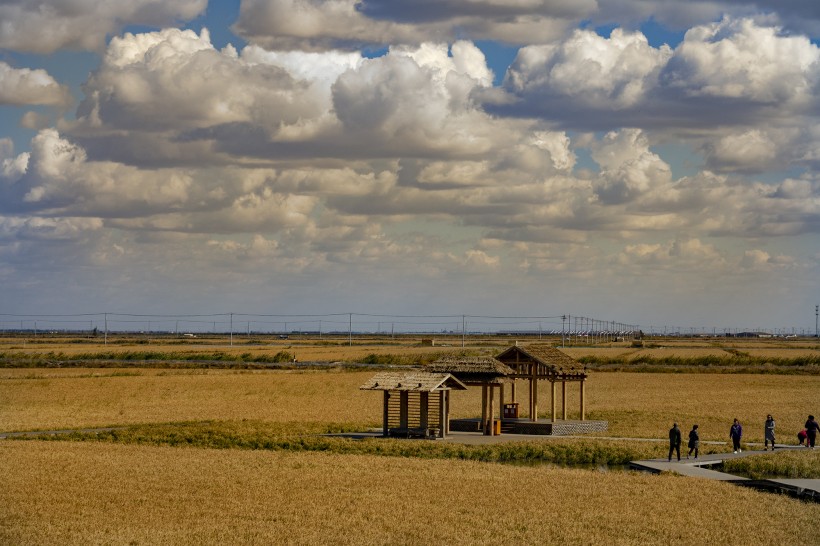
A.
x: 769, y: 432
x: 694, y: 441
x: 736, y: 433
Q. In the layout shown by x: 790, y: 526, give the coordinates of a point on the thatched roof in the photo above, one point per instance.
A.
x: 469, y: 365
x: 545, y: 355
x: 412, y: 381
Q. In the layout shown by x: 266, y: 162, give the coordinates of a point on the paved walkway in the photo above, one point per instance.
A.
x: 695, y: 468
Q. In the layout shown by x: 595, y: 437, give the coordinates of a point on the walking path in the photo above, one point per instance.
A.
x: 804, y: 488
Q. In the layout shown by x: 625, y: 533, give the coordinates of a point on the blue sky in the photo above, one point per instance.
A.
x: 645, y: 162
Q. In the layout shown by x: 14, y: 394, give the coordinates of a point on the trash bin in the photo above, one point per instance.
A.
x: 511, y: 410
x: 494, y: 427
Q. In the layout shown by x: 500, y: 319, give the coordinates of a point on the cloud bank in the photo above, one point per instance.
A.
x: 601, y: 164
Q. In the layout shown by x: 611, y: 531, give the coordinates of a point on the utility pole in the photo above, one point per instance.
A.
x: 231, y: 329
x: 816, y: 312
x: 105, y: 336
x: 350, y: 329
x: 563, y: 321
x: 463, y: 331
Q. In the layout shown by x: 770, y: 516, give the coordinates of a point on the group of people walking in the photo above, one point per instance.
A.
x: 675, y: 441
x: 808, y: 435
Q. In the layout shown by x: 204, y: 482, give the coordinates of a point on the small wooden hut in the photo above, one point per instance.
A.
x: 409, y: 398
x: 484, y: 371
x: 544, y: 362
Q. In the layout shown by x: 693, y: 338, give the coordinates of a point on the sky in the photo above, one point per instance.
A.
x: 645, y: 161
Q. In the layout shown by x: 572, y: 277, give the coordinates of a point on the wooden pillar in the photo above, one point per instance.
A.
x: 424, y: 400
x: 483, y: 408
x: 564, y: 400
x: 534, y: 398
x: 404, y: 404
x: 501, y: 402
x: 552, y: 400
x: 583, y: 408
x: 443, y: 414
x: 447, y: 412
x: 386, y: 413
x: 492, y: 410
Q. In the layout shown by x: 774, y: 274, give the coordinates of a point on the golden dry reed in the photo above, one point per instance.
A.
x: 639, y: 405
x: 71, y: 493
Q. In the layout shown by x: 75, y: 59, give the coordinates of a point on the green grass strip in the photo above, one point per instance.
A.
x: 308, y: 437
x: 792, y: 464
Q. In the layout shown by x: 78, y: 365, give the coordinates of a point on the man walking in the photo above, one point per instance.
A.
x: 674, y: 441
x: 812, y: 428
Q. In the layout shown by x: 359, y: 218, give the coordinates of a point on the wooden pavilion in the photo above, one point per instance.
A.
x: 409, y: 398
x: 544, y: 362
x: 484, y: 371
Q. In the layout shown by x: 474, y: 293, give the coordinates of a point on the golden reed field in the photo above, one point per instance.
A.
x: 70, y: 493
x: 63, y: 492
x: 641, y: 405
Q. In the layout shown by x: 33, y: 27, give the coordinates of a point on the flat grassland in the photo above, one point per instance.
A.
x: 338, y: 348
x: 641, y: 405
x: 72, y: 493
x: 61, y: 492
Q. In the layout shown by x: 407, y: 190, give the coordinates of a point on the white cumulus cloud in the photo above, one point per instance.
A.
x: 44, y: 26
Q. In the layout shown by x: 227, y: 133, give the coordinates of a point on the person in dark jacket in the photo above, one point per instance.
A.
x: 768, y: 431
x: 674, y: 440
x: 812, y: 427
x: 736, y: 433
x: 694, y: 441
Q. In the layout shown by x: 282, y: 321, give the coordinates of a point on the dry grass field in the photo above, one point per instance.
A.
x: 313, y: 348
x: 63, y: 492
x: 70, y: 493
x: 636, y: 404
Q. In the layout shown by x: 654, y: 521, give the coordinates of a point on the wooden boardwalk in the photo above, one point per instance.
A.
x: 695, y: 468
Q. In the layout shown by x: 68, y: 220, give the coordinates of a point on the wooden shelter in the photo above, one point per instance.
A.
x: 484, y: 371
x: 408, y: 399
x: 544, y: 362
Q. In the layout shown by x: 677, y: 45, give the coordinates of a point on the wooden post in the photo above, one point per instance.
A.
x: 447, y: 412
x: 386, y: 413
x: 552, y: 400
x: 583, y: 408
x: 492, y: 409
x: 443, y: 416
x: 424, y: 400
x: 534, y: 398
x: 484, y: 408
x: 404, y: 403
x: 501, y: 402
x: 564, y: 400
